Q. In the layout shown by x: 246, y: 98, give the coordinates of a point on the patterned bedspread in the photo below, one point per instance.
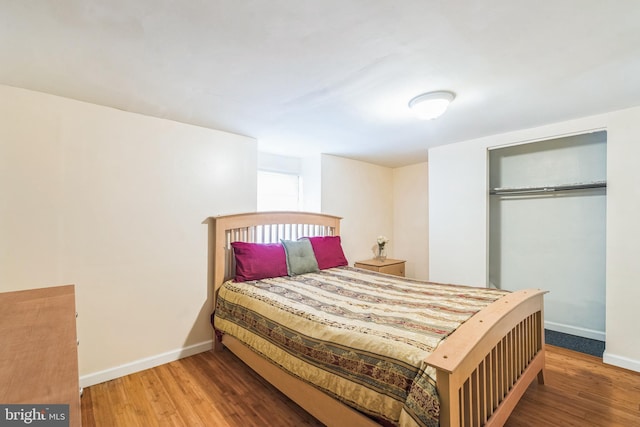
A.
x: 358, y: 335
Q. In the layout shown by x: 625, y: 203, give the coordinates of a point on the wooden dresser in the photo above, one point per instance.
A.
x: 39, y: 349
x: 388, y: 266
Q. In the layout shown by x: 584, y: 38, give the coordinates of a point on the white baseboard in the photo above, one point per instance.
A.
x: 575, y: 330
x: 142, y: 364
x: 621, y: 361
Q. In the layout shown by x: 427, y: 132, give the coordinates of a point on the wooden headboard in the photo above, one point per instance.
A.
x: 258, y: 227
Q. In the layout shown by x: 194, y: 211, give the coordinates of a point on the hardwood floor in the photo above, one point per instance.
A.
x: 580, y: 390
x: 208, y: 389
x: 216, y: 389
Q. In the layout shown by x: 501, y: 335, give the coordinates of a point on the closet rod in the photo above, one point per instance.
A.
x: 550, y: 189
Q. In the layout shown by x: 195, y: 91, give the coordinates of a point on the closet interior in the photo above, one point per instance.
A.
x: 547, y: 212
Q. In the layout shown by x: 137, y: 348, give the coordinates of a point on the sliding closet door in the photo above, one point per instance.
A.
x: 547, y: 227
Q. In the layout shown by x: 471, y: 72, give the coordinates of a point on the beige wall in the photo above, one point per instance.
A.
x: 411, y: 218
x: 376, y: 200
x: 113, y: 202
x: 361, y: 193
x: 312, y: 183
x: 458, y: 218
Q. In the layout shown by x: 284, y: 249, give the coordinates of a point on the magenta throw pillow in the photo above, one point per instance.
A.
x: 328, y: 251
x: 256, y: 261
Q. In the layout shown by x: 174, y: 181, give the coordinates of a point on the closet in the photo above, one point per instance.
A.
x: 547, y: 214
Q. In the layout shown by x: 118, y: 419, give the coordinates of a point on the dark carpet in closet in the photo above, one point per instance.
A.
x: 572, y: 342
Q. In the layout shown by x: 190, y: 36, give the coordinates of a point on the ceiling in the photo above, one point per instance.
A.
x: 331, y: 76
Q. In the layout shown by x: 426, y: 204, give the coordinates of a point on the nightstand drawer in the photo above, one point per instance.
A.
x: 395, y: 269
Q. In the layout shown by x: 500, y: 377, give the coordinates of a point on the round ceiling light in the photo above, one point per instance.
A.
x: 431, y: 105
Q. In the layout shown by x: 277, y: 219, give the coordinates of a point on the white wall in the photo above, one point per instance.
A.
x: 458, y: 203
x: 458, y: 214
x: 623, y: 239
x: 113, y: 202
x: 361, y: 193
x: 411, y: 218
x: 276, y: 163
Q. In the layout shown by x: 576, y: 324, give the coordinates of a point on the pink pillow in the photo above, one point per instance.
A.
x: 256, y: 261
x: 328, y: 251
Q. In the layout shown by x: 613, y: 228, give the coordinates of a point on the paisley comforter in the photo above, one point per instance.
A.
x: 358, y: 335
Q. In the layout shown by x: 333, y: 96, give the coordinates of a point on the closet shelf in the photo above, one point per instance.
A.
x: 547, y: 189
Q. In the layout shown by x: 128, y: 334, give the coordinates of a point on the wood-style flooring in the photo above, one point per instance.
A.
x: 218, y: 390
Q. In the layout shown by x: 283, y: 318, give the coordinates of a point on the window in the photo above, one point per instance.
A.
x: 279, y: 191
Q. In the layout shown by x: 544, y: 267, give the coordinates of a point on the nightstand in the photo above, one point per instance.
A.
x: 388, y: 266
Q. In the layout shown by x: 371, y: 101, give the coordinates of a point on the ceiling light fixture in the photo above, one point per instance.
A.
x: 431, y: 105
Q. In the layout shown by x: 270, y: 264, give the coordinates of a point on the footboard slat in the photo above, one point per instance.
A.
x: 491, y: 374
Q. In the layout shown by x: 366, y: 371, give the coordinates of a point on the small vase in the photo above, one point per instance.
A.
x: 382, y: 254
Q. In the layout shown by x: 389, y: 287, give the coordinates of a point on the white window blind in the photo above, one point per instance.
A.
x: 279, y: 191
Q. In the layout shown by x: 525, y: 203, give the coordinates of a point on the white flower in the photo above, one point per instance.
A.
x: 382, y: 240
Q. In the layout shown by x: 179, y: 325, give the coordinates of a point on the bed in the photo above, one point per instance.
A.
x: 479, y: 367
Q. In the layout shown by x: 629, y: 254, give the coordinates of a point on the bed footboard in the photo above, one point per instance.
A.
x: 486, y: 366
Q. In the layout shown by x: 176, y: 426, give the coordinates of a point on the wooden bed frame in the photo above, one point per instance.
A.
x: 483, y: 368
